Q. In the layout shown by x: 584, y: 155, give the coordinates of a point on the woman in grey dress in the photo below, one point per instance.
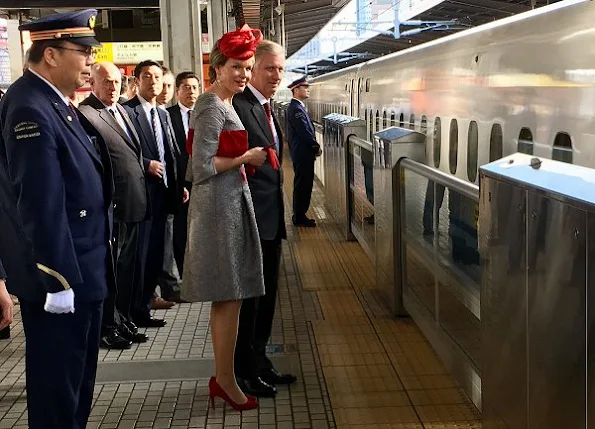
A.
x: 223, y: 257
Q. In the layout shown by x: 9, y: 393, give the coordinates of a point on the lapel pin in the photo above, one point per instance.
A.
x: 69, y: 118
x: 83, y: 213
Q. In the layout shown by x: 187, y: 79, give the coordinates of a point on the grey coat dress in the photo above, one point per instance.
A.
x: 223, y: 256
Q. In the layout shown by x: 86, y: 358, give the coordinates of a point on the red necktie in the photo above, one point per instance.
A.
x: 270, y: 148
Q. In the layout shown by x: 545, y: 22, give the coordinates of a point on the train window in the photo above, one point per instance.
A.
x: 402, y: 120
x: 385, y: 121
x: 412, y: 122
x: 437, y: 141
x: 472, y: 144
x: 366, y: 120
x: 453, y: 146
x: 423, y: 125
x: 525, y: 144
x: 496, y: 142
x: 368, y: 85
x: 393, y: 119
x: 562, y: 150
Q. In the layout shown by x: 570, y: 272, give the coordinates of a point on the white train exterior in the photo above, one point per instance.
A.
x: 524, y: 83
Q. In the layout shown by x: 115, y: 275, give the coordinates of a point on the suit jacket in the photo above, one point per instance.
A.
x: 174, y: 191
x: 55, y: 197
x: 130, y: 196
x: 2, y: 272
x: 300, y: 133
x: 266, y: 185
x: 176, y: 119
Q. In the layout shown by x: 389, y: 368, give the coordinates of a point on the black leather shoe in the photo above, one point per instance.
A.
x: 113, y: 340
x: 306, y: 221
x: 134, y: 337
x: 272, y: 376
x: 150, y: 322
x: 5, y: 333
x: 256, y: 387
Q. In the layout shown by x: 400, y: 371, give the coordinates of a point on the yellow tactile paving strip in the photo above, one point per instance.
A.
x: 380, y: 372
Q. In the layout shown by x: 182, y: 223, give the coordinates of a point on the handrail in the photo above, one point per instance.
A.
x: 362, y: 143
x: 466, y: 189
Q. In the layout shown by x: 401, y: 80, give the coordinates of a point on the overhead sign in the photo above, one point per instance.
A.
x: 5, y: 75
x: 130, y: 52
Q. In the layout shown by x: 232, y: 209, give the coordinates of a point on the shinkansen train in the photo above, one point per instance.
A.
x: 524, y: 83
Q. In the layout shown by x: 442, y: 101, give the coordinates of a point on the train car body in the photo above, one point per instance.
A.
x: 524, y: 83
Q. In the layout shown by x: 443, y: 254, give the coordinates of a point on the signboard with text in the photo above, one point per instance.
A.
x: 5, y: 75
x: 130, y: 52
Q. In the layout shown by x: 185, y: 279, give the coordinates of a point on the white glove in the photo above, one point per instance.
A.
x: 60, y: 302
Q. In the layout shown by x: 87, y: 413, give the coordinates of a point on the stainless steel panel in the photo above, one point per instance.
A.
x: 556, y: 314
x: 502, y: 235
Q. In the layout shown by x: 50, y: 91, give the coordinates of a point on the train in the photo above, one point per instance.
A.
x: 520, y: 84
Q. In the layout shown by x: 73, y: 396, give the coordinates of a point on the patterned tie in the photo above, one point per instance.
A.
x: 267, y: 109
x: 73, y: 109
x: 159, y: 141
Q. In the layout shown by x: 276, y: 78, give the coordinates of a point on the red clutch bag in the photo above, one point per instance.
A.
x: 232, y: 143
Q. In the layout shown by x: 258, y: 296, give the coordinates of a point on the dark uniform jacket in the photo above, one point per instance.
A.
x: 178, y: 126
x: 150, y: 152
x: 300, y: 133
x: 2, y: 272
x: 55, y: 197
x: 130, y: 196
x: 266, y: 185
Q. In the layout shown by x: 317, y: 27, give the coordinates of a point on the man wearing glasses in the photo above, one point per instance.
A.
x: 57, y: 209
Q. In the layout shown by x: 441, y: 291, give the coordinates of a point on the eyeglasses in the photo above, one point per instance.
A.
x: 89, y: 53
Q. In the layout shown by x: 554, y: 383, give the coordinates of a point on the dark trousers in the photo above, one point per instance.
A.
x: 60, y: 364
x: 110, y: 317
x: 154, y: 236
x: 256, y: 317
x: 303, y: 181
x: 129, y: 266
x: 428, y: 216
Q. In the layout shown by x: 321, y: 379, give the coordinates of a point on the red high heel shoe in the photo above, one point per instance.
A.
x: 216, y: 390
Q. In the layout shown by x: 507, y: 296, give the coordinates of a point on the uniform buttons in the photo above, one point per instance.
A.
x: 83, y: 213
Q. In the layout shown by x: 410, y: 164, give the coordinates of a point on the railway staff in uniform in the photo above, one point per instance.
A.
x: 304, y: 150
x: 59, y: 185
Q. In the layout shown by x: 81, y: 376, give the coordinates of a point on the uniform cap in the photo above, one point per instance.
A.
x: 302, y: 81
x: 240, y: 44
x: 75, y: 27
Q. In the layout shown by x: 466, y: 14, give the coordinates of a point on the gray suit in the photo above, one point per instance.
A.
x: 131, y: 206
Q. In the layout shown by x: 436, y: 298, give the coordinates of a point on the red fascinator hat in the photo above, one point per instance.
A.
x: 240, y: 44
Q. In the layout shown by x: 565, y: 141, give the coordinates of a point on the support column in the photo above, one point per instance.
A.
x: 181, y: 34
x: 216, y: 19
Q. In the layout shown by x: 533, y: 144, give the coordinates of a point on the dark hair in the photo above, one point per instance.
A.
x: 124, y: 87
x: 181, y: 77
x: 146, y: 63
x: 38, y: 48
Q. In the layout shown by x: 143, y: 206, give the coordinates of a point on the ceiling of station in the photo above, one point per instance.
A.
x: 305, y: 18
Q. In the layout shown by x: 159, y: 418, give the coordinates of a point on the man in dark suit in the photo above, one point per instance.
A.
x: 255, y: 372
x: 186, y: 93
x: 113, y: 125
x: 304, y: 149
x: 160, y: 155
x: 56, y: 185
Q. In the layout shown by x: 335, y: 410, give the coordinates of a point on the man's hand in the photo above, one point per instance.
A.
x: 156, y: 169
x: 60, y: 302
x: 6, y: 306
x: 186, y: 196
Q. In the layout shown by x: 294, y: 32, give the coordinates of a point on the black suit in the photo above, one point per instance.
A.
x: 181, y: 218
x: 163, y: 200
x: 130, y: 207
x: 256, y: 315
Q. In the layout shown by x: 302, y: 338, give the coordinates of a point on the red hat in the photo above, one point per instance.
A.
x: 240, y: 44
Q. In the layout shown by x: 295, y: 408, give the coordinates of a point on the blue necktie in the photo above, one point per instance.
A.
x: 159, y: 141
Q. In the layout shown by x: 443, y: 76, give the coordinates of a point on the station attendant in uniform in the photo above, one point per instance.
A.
x: 223, y: 260
x: 59, y: 185
x: 304, y: 149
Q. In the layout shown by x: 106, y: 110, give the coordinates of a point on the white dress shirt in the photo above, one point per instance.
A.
x: 185, y: 119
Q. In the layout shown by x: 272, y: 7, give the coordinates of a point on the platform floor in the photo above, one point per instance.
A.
x: 357, y: 367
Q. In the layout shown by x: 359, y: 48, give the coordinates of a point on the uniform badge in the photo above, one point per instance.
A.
x: 92, y: 21
x: 26, y: 130
x: 83, y: 213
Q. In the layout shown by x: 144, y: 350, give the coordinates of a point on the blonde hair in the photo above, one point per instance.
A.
x: 216, y: 59
x: 268, y: 47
